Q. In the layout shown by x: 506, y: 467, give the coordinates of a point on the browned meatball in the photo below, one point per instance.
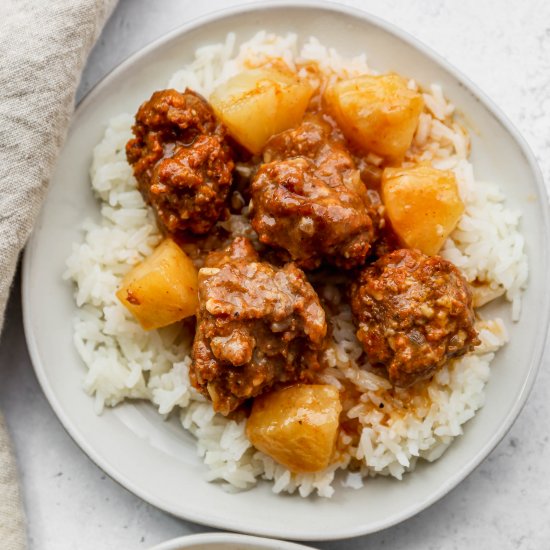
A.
x: 309, y: 200
x: 314, y: 139
x: 257, y: 326
x: 414, y: 313
x: 181, y: 160
x: 189, y: 189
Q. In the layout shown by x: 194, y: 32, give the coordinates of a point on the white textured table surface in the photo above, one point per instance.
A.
x: 503, y: 46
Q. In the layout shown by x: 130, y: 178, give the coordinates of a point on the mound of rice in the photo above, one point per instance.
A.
x: 125, y: 362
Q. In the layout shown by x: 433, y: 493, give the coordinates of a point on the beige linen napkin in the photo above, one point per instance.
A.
x: 12, y: 528
x: 43, y: 47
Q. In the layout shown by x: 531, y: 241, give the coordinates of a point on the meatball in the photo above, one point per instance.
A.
x: 181, y: 161
x: 414, y: 312
x: 314, y: 139
x: 309, y: 200
x: 257, y: 326
x: 188, y: 190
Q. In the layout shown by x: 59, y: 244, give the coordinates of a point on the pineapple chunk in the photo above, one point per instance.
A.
x: 422, y: 204
x: 296, y: 426
x: 256, y: 104
x: 162, y: 289
x: 379, y: 114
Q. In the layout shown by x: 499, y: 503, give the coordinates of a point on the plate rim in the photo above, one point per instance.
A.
x: 540, y: 344
x: 268, y: 543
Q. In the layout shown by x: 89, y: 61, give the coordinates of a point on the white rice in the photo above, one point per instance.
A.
x: 126, y: 362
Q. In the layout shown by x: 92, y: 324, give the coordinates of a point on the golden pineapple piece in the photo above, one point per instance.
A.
x: 379, y: 114
x: 297, y: 426
x: 162, y: 289
x: 258, y: 103
x: 422, y: 204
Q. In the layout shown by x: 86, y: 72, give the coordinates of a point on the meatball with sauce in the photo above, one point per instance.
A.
x: 181, y: 161
x: 414, y: 312
x: 257, y: 326
x: 308, y: 199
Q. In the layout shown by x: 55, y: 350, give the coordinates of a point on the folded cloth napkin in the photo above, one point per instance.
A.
x: 43, y: 45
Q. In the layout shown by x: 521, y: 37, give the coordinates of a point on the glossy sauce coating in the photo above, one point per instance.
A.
x: 308, y: 200
x: 414, y: 312
x: 257, y: 326
x: 181, y: 161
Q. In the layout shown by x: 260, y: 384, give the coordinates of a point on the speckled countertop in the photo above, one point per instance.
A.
x: 504, y: 47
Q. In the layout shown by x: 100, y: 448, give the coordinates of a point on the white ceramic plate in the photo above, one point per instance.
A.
x: 157, y: 460
x: 227, y: 541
